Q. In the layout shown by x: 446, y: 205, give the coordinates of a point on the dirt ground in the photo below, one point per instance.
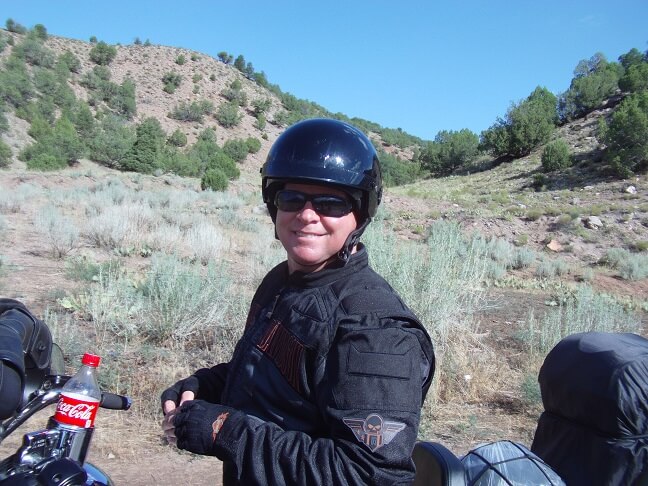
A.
x: 133, y: 453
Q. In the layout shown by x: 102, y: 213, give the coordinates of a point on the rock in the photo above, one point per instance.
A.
x: 631, y: 190
x: 554, y: 245
x: 588, y: 188
x: 261, y: 209
x: 593, y: 222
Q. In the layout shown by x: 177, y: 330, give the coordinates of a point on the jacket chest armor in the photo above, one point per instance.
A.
x: 278, y: 364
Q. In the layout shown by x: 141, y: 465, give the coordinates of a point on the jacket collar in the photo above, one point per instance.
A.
x: 332, y: 272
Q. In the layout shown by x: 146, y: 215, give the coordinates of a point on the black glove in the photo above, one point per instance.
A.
x: 174, y: 392
x: 197, y: 425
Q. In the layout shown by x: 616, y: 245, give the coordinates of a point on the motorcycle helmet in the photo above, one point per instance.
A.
x: 326, y: 152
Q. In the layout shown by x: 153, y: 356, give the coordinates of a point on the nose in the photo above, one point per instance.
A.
x: 308, y: 213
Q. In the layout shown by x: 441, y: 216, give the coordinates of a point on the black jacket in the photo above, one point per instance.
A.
x: 327, y: 382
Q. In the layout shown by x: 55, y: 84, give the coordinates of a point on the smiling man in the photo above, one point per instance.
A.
x: 327, y: 383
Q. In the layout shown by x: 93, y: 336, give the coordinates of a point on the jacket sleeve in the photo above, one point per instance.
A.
x: 372, y: 387
x: 211, y: 382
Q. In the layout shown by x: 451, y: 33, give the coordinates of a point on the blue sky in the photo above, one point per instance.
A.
x: 423, y: 66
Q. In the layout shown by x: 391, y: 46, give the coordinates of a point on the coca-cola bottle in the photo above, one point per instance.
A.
x: 80, y: 395
x: 77, y: 408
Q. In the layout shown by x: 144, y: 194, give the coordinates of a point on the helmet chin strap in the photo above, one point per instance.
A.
x: 352, y: 240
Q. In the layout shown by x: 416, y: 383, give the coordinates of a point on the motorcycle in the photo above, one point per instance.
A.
x: 593, y: 430
x: 54, y: 455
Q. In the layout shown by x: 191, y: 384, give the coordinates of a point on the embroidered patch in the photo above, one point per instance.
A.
x: 373, y: 431
x: 286, y: 352
x: 218, y: 424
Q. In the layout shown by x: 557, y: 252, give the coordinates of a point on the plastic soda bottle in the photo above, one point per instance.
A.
x: 80, y: 396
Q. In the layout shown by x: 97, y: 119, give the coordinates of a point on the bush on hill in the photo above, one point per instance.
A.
x: 556, y: 156
x: 214, y: 179
x: 527, y: 125
x: 594, y: 81
x: 102, y: 53
x: 626, y: 136
x: 449, y: 150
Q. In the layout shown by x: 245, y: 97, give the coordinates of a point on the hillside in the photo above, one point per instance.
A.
x: 81, y: 244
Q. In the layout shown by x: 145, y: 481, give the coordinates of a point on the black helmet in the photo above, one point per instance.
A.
x: 325, y: 151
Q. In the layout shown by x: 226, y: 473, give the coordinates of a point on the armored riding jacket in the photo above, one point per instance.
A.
x: 327, y: 383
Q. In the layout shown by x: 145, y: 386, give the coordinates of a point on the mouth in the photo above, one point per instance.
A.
x: 301, y: 234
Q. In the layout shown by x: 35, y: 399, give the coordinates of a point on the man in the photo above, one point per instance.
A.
x: 327, y: 383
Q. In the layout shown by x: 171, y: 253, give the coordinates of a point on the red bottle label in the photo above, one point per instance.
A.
x: 78, y: 410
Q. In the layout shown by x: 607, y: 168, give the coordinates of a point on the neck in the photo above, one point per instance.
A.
x: 316, y: 267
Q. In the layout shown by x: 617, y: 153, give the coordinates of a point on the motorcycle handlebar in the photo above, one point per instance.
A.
x: 112, y: 401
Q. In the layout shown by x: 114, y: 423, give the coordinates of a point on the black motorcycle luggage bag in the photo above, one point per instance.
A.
x: 594, y: 429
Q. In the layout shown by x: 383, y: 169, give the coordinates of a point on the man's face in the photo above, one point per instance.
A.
x: 309, y: 238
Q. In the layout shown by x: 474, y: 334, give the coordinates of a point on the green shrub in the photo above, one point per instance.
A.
x: 556, y: 156
x: 260, y: 122
x: 39, y: 32
x: 171, y: 81
x: 70, y: 62
x: 112, y: 141
x: 261, y: 106
x: 527, y: 125
x: 192, y: 112
x: 397, y: 171
x: 449, y: 150
x: 237, y: 149
x: 635, y: 79
x: 15, y: 83
x: 102, y: 53
x: 534, y: 214
x: 214, y: 179
x: 33, y: 52
x: 180, y: 60
x: 223, y: 162
x: 627, y: 135
x: 5, y: 154
x: 45, y: 161
x: 54, y: 148
x: 594, y: 80
x: 143, y: 156
x: 583, y: 311
x: 177, y: 138
x: 82, y: 269
x: 119, y: 98
x: 58, y: 231
x: 172, y: 160
x: 4, y: 123
x: 253, y: 145
x: 228, y: 115
x: 15, y: 27
x: 235, y: 94
x: 631, y: 266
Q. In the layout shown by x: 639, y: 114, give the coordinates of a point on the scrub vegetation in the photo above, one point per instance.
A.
x: 131, y: 218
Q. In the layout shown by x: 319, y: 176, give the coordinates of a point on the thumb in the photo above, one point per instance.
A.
x: 187, y: 396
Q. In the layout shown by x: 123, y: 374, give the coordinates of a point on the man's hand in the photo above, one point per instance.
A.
x: 195, y: 425
x: 176, y: 395
x: 168, y: 428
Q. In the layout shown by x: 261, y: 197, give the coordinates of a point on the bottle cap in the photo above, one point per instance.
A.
x: 91, y: 360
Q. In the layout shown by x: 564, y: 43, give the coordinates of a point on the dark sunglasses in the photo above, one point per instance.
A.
x: 324, y: 204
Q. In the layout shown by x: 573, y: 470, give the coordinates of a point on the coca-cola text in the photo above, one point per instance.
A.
x: 72, y: 411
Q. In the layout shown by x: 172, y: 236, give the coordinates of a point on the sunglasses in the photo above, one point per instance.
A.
x: 323, y: 204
